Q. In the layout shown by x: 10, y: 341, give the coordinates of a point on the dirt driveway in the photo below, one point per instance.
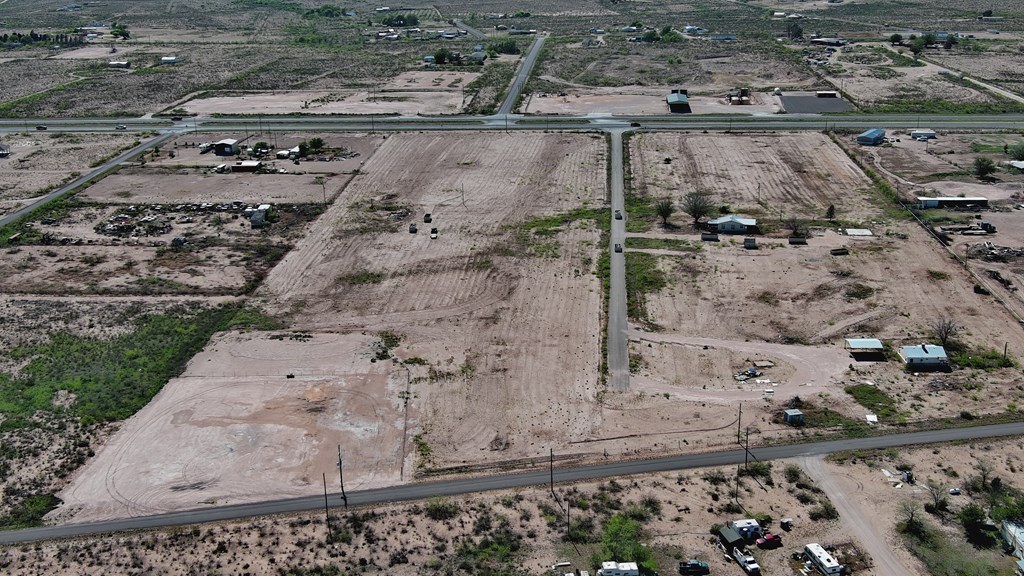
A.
x: 876, y: 538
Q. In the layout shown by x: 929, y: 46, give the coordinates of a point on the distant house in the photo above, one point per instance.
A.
x: 119, y: 64
x: 723, y: 37
x: 678, y: 102
x: 732, y: 224
x: 226, y: 147
x: 924, y: 356
x: 169, y: 60
x: 829, y: 41
x: 872, y: 137
x: 478, y: 57
x: 866, y: 348
x: 748, y: 528
x: 247, y: 166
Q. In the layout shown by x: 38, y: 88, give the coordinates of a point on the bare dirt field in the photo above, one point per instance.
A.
x: 479, y: 311
x: 96, y: 52
x: 873, y: 74
x: 643, y: 101
x: 677, y: 511
x: 38, y: 164
x: 406, y: 102
x: 801, y: 174
x: 255, y: 416
x: 148, y: 185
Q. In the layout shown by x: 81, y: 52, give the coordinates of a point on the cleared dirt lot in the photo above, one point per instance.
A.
x: 483, y: 317
x: 333, y: 102
x: 801, y: 174
x: 253, y: 417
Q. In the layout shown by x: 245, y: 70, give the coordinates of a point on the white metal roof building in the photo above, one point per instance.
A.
x: 864, y: 344
x: 924, y: 355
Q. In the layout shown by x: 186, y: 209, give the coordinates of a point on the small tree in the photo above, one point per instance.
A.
x: 664, y: 208
x: 984, y: 167
x: 698, y: 205
x: 945, y: 329
x: 316, y: 144
x: 895, y: 38
x: 261, y: 145
x: 830, y: 213
x: 937, y: 490
x: 442, y: 55
x: 794, y: 31
x: 303, y: 149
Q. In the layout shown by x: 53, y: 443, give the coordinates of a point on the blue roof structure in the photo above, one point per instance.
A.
x: 864, y: 343
x: 873, y: 133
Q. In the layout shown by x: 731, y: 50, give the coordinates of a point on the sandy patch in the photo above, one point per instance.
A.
x: 244, y: 430
x: 333, y: 102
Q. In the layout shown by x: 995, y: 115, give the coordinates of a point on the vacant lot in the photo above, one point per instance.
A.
x: 39, y: 163
x: 797, y: 174
x: 254, y: 417
x: 339, y: 102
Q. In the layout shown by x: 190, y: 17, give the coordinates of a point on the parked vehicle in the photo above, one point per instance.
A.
x: 954, y: 491
x: 694, y: 568
x: 412, y: 228
x: 120, y: 127
x: 40, y: 127
x: 426, y: 218
x: 433, y: 233
x: 769, y: 541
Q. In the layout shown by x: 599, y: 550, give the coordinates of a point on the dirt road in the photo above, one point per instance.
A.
x: 851, y: 511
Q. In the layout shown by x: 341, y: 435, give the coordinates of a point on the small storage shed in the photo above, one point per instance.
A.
x: 794, y: 417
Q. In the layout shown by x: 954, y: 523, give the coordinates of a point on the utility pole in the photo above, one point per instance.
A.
x: 746, y: 449
x: 341, y: 479
x: 739, y: 423
x: 327, y: 513
x: 551, y: 467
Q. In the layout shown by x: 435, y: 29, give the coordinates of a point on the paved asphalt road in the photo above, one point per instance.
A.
x: 472, y: 31
x: 618, y: 341
x: 462, y: 486
x: 521, y: 76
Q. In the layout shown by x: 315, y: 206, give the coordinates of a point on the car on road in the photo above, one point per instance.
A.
x: 618, y: 214
x: 694, y: 568
x: 618, y: 247
x: 634, y: 124
x: 426, y: 218
x: 954, y: 491
x: 40, y: 127
x: 433, y: 233
x: 120, y: 127
x: 769, y: 541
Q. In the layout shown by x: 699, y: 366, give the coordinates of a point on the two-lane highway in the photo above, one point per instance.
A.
x: 456, y: 487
